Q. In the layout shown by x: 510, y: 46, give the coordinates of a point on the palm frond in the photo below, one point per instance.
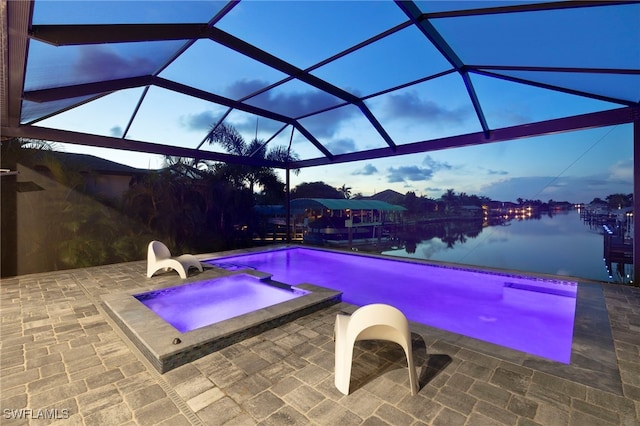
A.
x: 229, y: 138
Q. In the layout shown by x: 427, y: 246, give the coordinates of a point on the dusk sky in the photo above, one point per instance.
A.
x: 576, y: 166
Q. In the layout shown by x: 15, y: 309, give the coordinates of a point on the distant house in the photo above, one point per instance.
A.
x: 341, y: 220
x: 561, y: 205
x: 103, y: 178
x: 471, y: 211
x: 388, y: 196
x: 61, y: 216
x: 499, y: 208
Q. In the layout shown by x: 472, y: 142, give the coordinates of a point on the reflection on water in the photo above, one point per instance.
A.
x: 561, y: 244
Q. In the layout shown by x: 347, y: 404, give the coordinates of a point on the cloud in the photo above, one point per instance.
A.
x: 116, y: 131
x: 408, y: 173
x: 201, y: 121
x: 327, y: 124
x: 293, y: 104
x: 431, y: 247
x: 340, y: 146
x: 436, y: 165
x: 563, y: 188
x: 244, y: 124
x: 513, y: 117
x: 104, y: 63
x: 297, y: 104
x: 510, y: 189
x: 622, y: 171
x: 417, y: 173
x: 242, y: 88
x: 433, y: 192
x: 367, y: 170
x: 410, y: 106
x: 497, y: 172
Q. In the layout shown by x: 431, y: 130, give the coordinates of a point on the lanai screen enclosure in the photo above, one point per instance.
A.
x: 299, y: 67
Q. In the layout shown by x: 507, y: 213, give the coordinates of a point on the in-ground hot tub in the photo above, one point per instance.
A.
x: 176, y: 325
x: 191, y: 306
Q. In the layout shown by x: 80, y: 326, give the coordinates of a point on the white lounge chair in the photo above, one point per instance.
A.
x: 370, y: 322
x: 159, y: 257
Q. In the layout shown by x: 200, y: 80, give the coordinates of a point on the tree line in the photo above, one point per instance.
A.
x: 196, y: 205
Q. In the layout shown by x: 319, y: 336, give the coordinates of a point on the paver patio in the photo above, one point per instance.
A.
x: 62, y: 356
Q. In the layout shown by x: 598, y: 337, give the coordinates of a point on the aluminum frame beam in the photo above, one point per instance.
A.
x: 71, y: 35
x: 577, y: 122
x: 56, y: 135
x: 417, y: 17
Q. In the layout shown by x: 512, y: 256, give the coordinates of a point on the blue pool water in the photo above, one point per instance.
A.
x: 524, y: 313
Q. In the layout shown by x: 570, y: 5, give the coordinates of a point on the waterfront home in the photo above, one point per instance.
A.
x: 341, y: 220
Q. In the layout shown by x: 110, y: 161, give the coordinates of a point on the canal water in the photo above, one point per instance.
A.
x: 560, y: 244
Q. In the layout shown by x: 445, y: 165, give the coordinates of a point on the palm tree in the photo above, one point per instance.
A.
x: 450, y: 199
x: 242, y: 175
x: 345, y: 191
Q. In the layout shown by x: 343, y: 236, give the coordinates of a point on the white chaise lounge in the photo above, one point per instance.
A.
x: 159, y: 257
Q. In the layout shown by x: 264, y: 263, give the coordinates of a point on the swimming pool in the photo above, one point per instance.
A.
x: 529, y: 314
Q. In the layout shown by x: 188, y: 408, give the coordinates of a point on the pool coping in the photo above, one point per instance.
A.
x: 166, y: 348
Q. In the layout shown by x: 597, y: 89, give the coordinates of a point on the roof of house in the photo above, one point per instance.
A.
x: 343, y: 204
x: 388, y: 196
x: 82, y: 162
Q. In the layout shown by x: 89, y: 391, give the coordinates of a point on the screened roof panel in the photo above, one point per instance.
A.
x: 434, y: 109
x: 541, y: 104
x: 251, y: 126
x: 103, y: 116
x: 589, y: 37
x: 209, y: 66
x: 380, y: 66
x: 294, y: 99
x: 301, y: 146
x: 430, y: 6
x: 620, y: 86
x: 124, y: 12
x: 32, y: 111
x: 273, y: 133
x: 53, y: 66
x: 354, y: 80
x: 304, y: 33
x: 173, y: 118
x: 343, y: 130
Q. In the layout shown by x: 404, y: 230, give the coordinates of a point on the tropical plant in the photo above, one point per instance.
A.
x: 67, y: 226
x: 617, y: 201
x: 345, y: 191
x: 245, y: 175
x: 315, y: 190
x: 191, y: 208
x: 451, y: 200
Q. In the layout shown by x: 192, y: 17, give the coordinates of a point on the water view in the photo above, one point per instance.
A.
x: 561, y: 243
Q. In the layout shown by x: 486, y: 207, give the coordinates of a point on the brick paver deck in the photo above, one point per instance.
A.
x: 64, y: 361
